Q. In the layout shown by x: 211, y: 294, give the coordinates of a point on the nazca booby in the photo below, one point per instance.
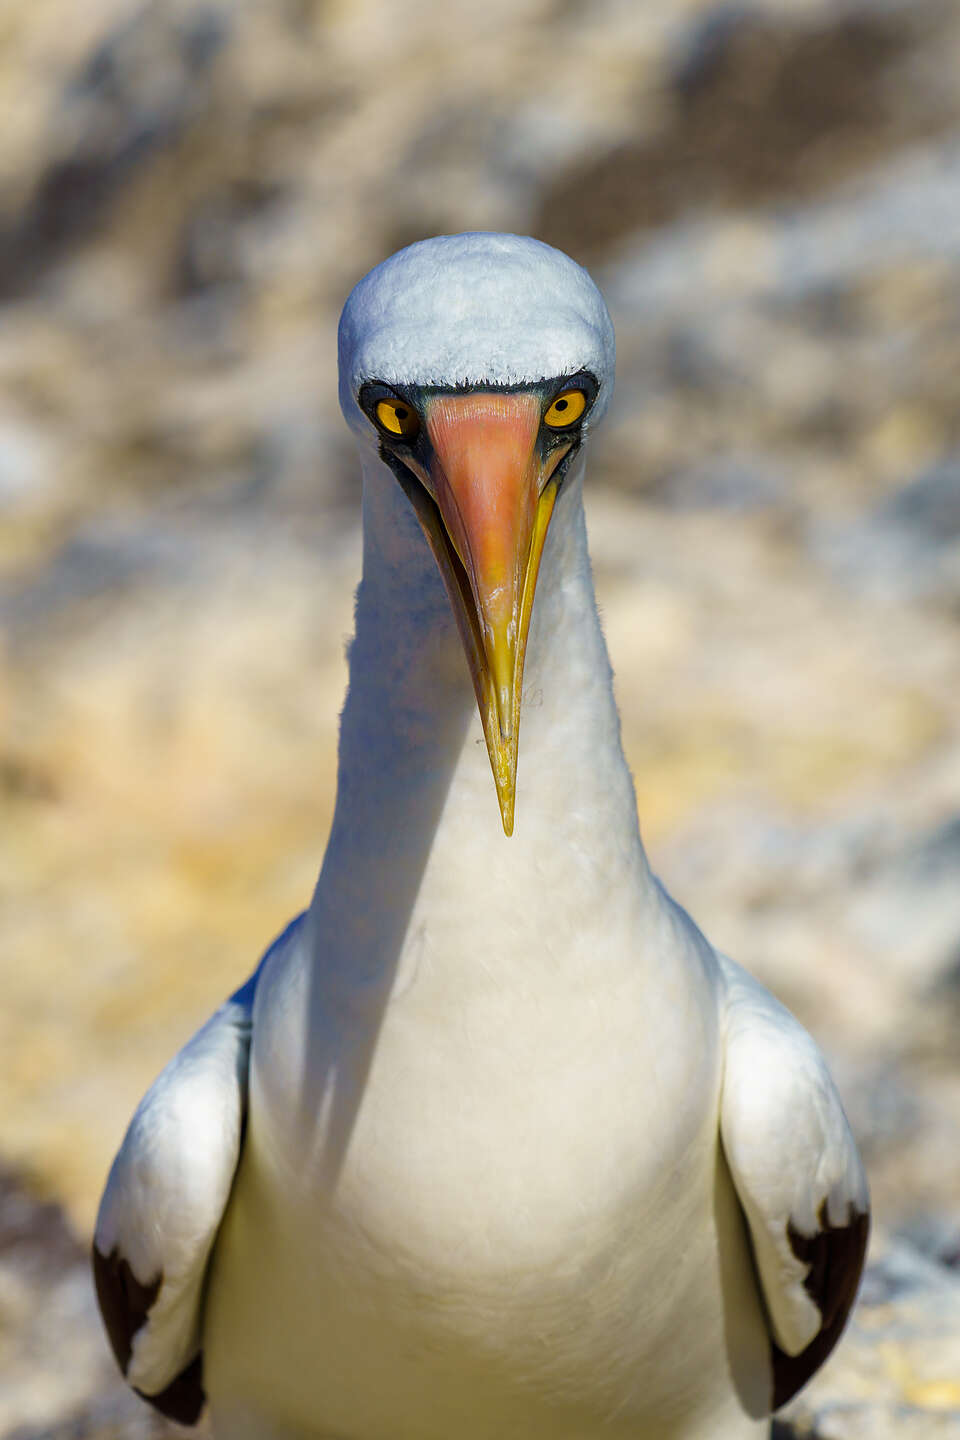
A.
x: 493, y: 1145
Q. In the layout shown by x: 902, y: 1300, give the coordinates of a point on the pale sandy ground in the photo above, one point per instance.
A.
x: 772, y: 204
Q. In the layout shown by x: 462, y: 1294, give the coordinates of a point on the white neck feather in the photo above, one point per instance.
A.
x: 416, y: 818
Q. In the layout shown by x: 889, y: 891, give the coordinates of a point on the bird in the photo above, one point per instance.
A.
x: 492, y: 1143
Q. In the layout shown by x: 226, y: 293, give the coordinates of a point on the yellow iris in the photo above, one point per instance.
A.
x: 566, y: 409
x: 398, y: 418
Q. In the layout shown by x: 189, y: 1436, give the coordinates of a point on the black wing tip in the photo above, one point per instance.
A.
x: 125, y: 1304
x: 184, y: 1398
x: 835, y: 1256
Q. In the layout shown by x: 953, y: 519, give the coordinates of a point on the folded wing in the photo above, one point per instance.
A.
x: 798, y: 1177
x: 165, y: 1198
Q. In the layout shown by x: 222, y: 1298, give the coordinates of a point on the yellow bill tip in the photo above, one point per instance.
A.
x: 506, y: 798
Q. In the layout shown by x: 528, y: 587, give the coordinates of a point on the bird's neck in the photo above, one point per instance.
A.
x: 416, y: 805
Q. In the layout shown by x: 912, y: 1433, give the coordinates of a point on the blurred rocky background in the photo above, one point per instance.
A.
x: 769, y: 194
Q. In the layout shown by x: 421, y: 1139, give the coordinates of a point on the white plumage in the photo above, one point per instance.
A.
x: 518, y: 1143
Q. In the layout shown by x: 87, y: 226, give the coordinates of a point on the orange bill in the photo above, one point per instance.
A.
x: 489, y: 502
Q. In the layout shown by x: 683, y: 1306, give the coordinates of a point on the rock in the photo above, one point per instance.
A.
x: 136, y: 94
x: 910, y: 544
x: 763, y: 108
x: 725, y: 482
x: 935, y: 1236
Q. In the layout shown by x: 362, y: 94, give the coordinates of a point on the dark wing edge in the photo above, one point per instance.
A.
x: 125, y: 1305
x: 835, y: 1255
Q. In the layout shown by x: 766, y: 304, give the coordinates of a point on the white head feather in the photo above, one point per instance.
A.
x: 473, y: 309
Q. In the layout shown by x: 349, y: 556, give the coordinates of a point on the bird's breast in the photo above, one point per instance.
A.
x: 478, y: 1176
x: 491, y: 1129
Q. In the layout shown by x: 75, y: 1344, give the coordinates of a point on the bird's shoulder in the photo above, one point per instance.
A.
x: 164, y: 1201
x: 797, y: 1174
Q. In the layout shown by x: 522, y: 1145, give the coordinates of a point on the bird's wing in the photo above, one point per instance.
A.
x: 798, y: 1177
x: 165, y: 1198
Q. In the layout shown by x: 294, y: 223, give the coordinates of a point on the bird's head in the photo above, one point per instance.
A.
x: 475, y: 365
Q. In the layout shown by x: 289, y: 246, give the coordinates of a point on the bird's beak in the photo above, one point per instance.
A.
x: 485, y: 506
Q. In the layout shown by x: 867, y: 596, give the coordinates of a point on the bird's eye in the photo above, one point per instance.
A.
x: 398, y: 418
x: 566, y: 409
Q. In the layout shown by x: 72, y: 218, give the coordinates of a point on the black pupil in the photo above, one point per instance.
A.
x: 562, y: 404
x: 401, y: 413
